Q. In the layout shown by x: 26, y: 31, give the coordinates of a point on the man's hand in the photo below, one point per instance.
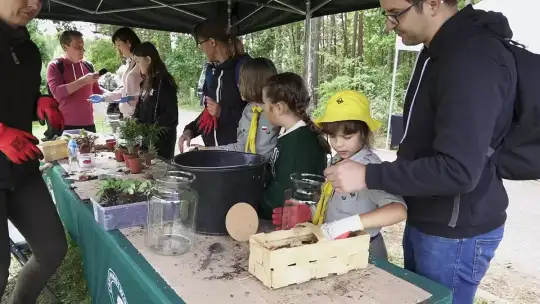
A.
x: 293, y: 213
x: 347, y: 176
x: 18, y: 146
x: 213, y: 107
x: 47, y: 110
x: 186, y: 138
x: 89, y: 78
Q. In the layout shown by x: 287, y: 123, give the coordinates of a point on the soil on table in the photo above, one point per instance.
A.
x: 113, y: 198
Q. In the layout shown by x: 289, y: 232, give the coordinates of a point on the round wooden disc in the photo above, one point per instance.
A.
x: 242, y: 222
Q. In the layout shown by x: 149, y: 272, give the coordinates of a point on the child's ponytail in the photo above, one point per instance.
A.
x: 291, y: 89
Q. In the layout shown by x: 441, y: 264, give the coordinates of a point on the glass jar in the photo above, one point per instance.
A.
x: 171, y: 213
x: 307, y: 188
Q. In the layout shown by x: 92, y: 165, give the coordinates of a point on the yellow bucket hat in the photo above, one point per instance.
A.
x: 348, y: 105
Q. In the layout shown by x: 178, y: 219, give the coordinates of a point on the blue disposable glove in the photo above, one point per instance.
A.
x: 124, y: 99
x: 95, y: 98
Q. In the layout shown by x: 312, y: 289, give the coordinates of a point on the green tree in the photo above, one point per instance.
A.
x: 102, y: 54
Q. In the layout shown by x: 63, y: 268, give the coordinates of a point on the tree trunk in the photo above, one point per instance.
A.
x: 315, y: 38
x: 360, y: 50
x: 345, y: 35
x: 355, y: 34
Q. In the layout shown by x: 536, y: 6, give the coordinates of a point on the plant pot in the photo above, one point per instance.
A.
x: 127, y: 157
x: 135, y: 165
x: 148, y: 158
x: 119, y: 155
x: 85, y: 149
x: 110, y: 144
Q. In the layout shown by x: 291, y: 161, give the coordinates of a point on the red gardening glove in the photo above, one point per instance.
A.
x: 206, y: 122
x: 291, y: 214
x: 18, y: 146
x: 47, y: 111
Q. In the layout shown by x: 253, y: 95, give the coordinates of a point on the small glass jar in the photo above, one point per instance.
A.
x: 307, y: 188
x: 171, y: 213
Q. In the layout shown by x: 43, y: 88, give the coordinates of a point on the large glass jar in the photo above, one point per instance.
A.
x: 307, y: 188
x: 171, y: 213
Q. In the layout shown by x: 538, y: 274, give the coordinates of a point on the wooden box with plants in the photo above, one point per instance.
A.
x: 298, y: 255
x: 121, y: 203
x: 131, y: 132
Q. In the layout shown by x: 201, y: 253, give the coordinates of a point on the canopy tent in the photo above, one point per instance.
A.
x: 519, y: 14
x: 247, y: 16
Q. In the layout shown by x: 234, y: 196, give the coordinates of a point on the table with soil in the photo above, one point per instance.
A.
x: 226, y: 278
x: 120, y: 258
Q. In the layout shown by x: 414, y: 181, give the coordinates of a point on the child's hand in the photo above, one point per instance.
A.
x: 292, y: 214
x: 341, y: 229
x: 195, y: 147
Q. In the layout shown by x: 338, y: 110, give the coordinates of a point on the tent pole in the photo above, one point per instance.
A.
x: 307, y: 48
x: 392, y: 97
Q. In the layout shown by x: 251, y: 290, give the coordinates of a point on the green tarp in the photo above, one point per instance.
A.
x: 181, y: 15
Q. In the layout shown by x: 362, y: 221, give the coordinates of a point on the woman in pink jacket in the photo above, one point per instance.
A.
x: 127, y: 95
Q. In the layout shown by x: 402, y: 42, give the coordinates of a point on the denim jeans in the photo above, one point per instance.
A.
x: 459, y: 264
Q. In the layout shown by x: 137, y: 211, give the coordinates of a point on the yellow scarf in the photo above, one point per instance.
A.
x: 252, y: 135
x: 322, y: 206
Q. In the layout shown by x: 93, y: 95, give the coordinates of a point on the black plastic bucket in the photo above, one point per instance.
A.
x: 223, y: 178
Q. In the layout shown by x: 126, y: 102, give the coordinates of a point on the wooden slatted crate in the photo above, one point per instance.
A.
x: 294, y: 256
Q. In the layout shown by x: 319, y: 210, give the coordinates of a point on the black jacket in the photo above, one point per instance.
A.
x: 160, y: 106
x: 221, y: 86
x: 20, y: 83
x: 459, y: 101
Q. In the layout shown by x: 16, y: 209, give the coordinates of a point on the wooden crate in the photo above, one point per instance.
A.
x: 283, y: 258
x: 54, y: 150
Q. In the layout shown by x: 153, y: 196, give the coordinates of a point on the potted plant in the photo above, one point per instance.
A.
x: 151, y: 133
x: 85, y: 142
x: 131, y: 131
x: 121, y: 203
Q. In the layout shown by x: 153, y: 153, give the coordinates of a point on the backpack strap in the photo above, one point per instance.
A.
x: 239, y: 64
x: 89, y: 66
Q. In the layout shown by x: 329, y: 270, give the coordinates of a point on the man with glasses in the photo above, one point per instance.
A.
x: 71, y: 80
x: 459, y: 103
x: 24, y: 197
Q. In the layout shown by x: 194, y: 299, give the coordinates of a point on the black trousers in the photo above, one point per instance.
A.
x: 31, y: 210
x: 89, y: 128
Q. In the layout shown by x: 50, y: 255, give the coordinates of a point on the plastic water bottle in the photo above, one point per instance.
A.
x: 73, y: 150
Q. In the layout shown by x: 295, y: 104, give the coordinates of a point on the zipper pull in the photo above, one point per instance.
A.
x: 15, y: 59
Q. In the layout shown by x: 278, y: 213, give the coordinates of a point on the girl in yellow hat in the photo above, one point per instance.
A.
x: 348, y: 123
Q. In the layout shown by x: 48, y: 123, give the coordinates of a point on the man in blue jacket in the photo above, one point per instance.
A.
x: 459, y: 102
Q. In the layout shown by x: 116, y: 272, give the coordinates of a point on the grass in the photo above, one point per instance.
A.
x: 68, y: 283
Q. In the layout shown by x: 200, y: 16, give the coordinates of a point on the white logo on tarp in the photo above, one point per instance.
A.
x: 116, y: 294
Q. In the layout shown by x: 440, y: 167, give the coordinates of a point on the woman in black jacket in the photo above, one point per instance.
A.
x: 157, y: 102
x: 218, y: 123
x: 24, y: 197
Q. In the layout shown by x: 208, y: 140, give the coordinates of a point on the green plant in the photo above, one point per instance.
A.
x: 86, y: 140
x: 131, y: 131
x: 151, y: 133
x: 117, y: 191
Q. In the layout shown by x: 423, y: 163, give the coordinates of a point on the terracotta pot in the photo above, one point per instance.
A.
x: 148, y: 158
x: 119, y: 155
x: 135, y: 165
x: 110, y: 144
x: 85, y: 149
x: 127, y: 157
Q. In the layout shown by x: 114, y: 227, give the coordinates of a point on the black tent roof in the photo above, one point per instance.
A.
x: 181, y: 15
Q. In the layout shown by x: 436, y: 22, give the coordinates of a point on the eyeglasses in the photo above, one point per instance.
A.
x: 394, y: 18
x: 200, y: 43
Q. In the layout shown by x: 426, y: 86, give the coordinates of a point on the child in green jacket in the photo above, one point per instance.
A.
x: 301, y: 147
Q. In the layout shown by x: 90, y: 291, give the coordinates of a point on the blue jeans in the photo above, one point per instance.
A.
x: 459, y: 264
